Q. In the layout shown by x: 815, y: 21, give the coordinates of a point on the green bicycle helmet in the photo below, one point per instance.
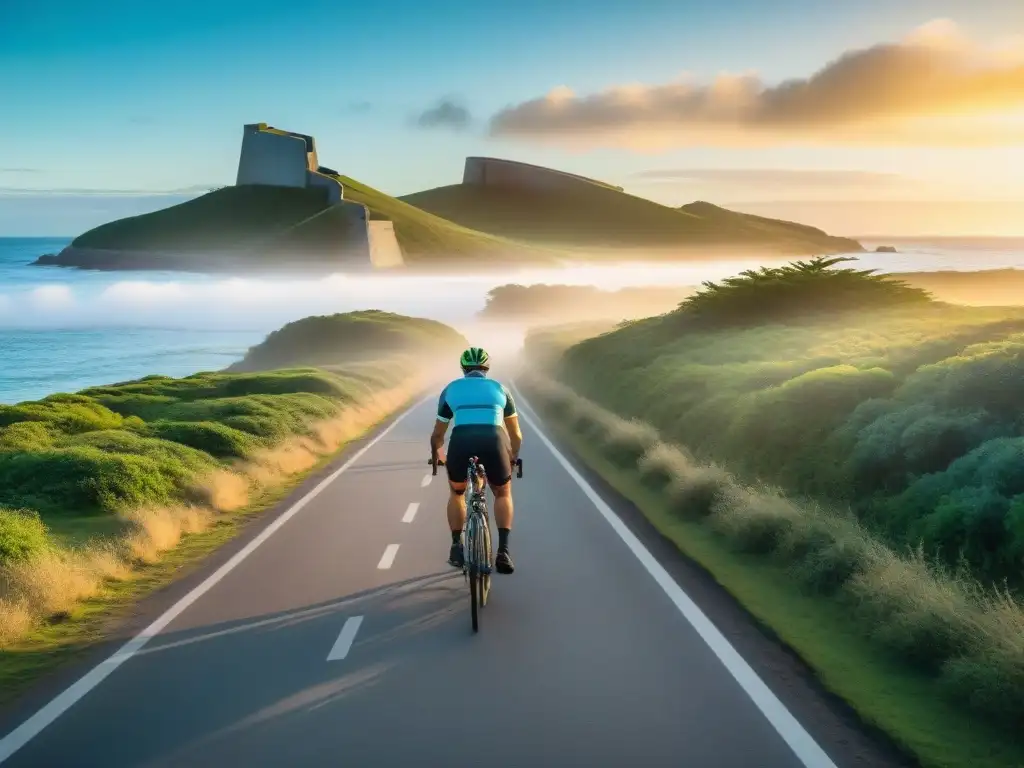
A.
x: 475, y: 357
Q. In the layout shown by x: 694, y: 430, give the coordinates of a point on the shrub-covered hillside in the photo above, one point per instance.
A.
x: 843, y: 385
x: 326, y: 340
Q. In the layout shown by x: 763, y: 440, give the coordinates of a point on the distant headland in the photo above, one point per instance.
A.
x: 287, y: 212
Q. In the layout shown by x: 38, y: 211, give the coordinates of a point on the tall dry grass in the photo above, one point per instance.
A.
x: 48, y: 586
x: 967, y: 637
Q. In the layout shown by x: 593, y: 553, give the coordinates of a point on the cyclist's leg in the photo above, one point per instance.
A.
x: 497, y: 459
x: 456, y: 462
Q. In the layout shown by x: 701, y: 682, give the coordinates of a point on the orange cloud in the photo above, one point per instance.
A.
x: 934, y: 87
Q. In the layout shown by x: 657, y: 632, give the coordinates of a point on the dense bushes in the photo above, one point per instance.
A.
x: 776, y: 293
x: 109, y: 449
x: 909, y: 414
x: 966, y: 638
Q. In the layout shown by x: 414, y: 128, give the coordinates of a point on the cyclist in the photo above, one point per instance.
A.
x: 486, y: 426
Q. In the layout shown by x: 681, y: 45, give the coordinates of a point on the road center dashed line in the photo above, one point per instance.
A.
x: 425, y: 481
x: 388, y: 557
x: 342, y: 645
x: 410, y: 513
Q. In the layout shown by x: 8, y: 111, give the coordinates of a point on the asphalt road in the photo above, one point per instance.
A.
x: 339, y: 636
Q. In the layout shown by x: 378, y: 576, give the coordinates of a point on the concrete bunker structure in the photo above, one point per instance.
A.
x: 274, y: 157
x: 495, y: 172
x: 280, y: 158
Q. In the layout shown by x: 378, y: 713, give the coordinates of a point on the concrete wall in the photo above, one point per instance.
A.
x: 335, y: 190
x: 492, y: 171
x: 385, y: 252
x: 273, y: 159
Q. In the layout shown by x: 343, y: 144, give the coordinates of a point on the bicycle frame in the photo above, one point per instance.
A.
x: 476, y: 535
x: 477, y: 553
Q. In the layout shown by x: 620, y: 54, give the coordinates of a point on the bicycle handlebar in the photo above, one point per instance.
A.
x: 435, y: 462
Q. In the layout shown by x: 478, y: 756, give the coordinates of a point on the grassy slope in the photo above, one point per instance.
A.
x: 423, y: 235
x: 236, y: 218
x: 223, y: 219
x: 367, y: 334
x: 883, y: 690
x: 87, y: 480
x: 600, y: 216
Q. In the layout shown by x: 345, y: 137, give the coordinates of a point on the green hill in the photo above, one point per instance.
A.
x: 226, y: 218
x: 422, y: 234
x: 251, y: 224
x: 598, y: 215
x: 328, y: 340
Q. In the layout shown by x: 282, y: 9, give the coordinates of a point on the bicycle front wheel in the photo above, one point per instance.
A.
x: 473, y: 569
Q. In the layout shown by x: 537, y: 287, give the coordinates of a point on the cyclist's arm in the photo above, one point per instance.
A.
x: 515, y: 434
x: 444, y: 415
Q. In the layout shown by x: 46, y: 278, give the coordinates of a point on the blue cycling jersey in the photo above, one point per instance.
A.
x: 475, y: 399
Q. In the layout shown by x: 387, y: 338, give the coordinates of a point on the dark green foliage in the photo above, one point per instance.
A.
x: 771, y: 294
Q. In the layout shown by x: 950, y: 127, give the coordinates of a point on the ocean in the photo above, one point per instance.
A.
x: 62, y: 330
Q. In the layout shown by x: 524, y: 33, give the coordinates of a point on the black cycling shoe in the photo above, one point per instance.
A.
x: 503, y: 562
x: 455, y: 556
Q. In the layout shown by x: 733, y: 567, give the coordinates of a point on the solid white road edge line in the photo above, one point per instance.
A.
x: 388, y: 557
x: 410, y: 512
x: 788, y: 727
x: 25, y: 732
x: 348, y: 633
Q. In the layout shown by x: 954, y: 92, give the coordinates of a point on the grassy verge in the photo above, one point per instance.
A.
x: 107, y: 494
x: 928, y: 657
x: 91, y: 620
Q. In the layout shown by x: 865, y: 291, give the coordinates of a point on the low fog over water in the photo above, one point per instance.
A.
x: 62, y: 330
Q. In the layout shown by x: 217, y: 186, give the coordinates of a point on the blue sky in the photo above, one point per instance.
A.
x: 147, y: 97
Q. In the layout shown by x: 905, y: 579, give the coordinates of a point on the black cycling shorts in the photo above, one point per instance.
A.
x: 490, y: 444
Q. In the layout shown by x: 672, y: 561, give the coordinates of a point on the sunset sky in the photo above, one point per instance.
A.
x: 860, y: 116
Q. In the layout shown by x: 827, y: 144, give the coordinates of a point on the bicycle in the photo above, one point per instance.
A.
x: 476, y: 536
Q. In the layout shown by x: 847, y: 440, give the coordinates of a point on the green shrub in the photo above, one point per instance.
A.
x: 696, y: 490
x: 802, y: 287
x: 923, y: 620
x: 826, y: 558
x: 25, y: 436
x: 100, y: 472
x: 218, y: 440
x: 660, y: 465
x: 755, y: 522
x: 71, y: 414
x: 625, y: 443
x: 23, y: 535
